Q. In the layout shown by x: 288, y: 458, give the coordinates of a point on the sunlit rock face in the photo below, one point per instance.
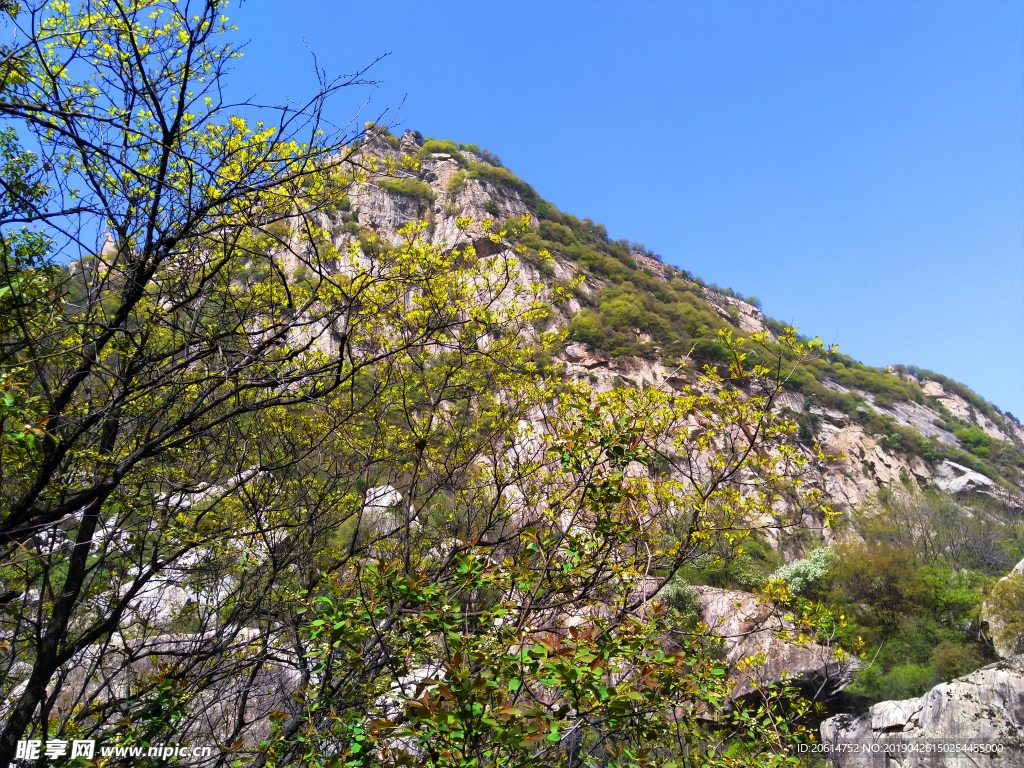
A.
x: 982, y: 712
x: 749, y: 627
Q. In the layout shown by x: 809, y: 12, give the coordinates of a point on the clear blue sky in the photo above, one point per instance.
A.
x: 858, y: 166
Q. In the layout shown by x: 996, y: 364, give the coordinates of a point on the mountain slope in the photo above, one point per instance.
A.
x: 637, y: 321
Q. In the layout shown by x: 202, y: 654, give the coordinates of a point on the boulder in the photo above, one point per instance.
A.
x: 955, y: 478
x: 749, y: 626
x: 977, y: 719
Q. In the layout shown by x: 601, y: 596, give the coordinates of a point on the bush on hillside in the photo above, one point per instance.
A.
x: 1005, y: 602
x: 915, y: 585
x: 409, y: 187
x: 504, y: 178
x: 444, y: 147
x: 559, y: 233
x: 800, y: 575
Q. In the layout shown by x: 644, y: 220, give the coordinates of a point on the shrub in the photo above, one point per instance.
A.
x: 801, y: 574
x: 444, y: 147
x: 504, y: 178
x: 882, y: 578
x: 585, y: 326
x: 551, y: 230
x: 546, y: 210
x: 903, y: 682
x: 951, y: 660
x: 1005, y: 602
x: 883, y: 401
x: 622, y: 311
x: 711, y: 351
x: 973, y: 438
x: 409, y: 187
x: 456, y: 183
x: 491, y: 207
x: 683, y: 603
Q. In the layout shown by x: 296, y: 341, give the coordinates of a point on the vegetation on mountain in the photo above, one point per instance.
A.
x: 914, y: 586
x: 414, y: 188
x: 668, y: 314
x: 913, y: 568
x: 1004, y: 603
x: 260, y: 461
x: 446, y: 147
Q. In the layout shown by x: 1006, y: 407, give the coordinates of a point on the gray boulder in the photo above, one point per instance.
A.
x: 977, y: 719
x: 750, y: 627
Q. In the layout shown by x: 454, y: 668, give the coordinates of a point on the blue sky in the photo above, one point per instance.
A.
x: 858, y: 166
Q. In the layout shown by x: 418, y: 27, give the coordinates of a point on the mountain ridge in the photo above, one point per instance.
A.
x: 633, y: 318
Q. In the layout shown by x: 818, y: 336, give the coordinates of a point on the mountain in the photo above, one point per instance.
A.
x: 634, y: 319
x: 930, y: 476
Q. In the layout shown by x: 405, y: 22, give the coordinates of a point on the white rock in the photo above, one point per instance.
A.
x: 985, y: 707
x: 955, y: 478
x: 381, y: 497
x: 746, y: 625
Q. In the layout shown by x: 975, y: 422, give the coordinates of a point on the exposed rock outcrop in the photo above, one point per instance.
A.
x: 954, y: 478
x: 749, y: 627
x: 747, y: 316
x: 981, y: 712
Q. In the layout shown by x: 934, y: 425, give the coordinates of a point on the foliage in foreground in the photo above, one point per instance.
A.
x: 264, y: 492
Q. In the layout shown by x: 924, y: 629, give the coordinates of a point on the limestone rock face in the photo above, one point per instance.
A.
x: 919, y: 416
x: 746, y: 626
x: 985, y: 707
x: 385, y: 212
x: 409, y: 144
x: 749, y: 317
x: 109, y: 676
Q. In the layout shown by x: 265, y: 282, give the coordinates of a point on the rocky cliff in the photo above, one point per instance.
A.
x: 897, y: 424
x: 636, y: 321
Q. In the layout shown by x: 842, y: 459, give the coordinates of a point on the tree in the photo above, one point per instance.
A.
x: 231, y: 425
x: 1004, y: 615
x: 165, y: 384
x: 528, y: 633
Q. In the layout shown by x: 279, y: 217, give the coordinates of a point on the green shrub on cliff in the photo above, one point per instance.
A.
x: 504, y: 178
x: 1006, y: 604
x: 442, y: 146
x: 409, y: 187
